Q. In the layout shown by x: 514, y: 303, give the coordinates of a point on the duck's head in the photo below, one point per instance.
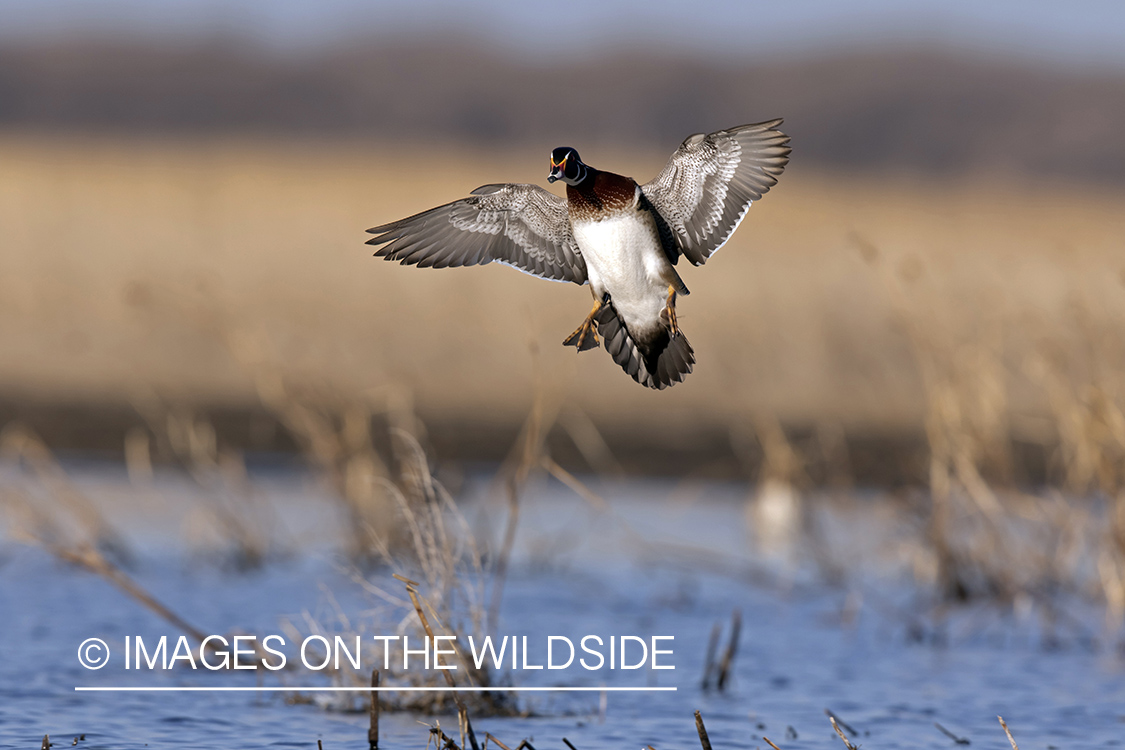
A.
x: 566, y: 166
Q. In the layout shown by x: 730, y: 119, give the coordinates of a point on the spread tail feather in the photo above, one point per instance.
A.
x: 656, y: 361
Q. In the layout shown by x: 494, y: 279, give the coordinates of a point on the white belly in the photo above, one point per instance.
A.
x: 624, y: 257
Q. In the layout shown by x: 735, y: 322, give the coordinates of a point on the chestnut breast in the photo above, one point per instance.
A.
x: 605, y: 195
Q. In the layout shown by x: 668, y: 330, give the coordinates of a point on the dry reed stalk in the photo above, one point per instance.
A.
x: 89, y: 558
x: 1086, y: 394
x: 464, y: 723
x: 333, y: 432
x: 523, y: 743
x: 963, y: 428
x: 1008, y: 732
x: 847, y: 743
x: 445, y: 557
x: 837, y: 720
x: 240, y: 515
x: 951, y: 735
x: 782, y: 462
x: 86, y: 555
x: 727, y: 662
x: 430, y: 617
x: 1091, y: 425
x: 968, y: 429
x: 89, y: 552
x: 138, y: 456
x: 1003, y: 545
x: 442, y: 554
x: 394, y: 505
x: 495, y: 741
x: 588, y: 439
x: 709, y: 659
x: 704, y: 739
x: 720, y: 671
x: 373, y: 713
x: 20, y: 445
x: 526, y: 456
x: 424, y: 536
x: 579, y: 487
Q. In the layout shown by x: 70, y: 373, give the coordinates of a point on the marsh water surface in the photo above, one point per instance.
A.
x: 665, y: 561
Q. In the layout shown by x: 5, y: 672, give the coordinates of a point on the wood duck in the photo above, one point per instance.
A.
x: 621, y: 238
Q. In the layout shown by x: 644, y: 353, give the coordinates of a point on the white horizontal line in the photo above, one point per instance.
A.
x: 321, y: 688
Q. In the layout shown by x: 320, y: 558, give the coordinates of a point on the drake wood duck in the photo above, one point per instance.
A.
x: 621, y: 238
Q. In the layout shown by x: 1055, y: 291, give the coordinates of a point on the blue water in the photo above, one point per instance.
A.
x: 660, y: 564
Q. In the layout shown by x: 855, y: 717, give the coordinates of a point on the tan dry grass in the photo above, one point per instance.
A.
x: 126, y: 267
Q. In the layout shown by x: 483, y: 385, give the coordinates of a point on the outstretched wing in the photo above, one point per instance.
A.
x: 709, y: 183
x: 520, y: 225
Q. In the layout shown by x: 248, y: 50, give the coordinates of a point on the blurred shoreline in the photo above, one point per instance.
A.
x: 862, y: 459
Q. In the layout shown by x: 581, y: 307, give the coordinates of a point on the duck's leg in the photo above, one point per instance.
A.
x: 668, y: 314
x: 586, y: 335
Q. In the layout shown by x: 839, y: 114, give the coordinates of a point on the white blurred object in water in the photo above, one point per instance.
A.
x: 774, y: 518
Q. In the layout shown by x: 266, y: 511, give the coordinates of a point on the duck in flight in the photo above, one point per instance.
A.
x: 621, y: 238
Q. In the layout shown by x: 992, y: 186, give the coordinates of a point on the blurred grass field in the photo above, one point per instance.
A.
x: 188, y: 268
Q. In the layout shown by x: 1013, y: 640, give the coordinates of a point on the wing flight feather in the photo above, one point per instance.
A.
x: 709, y: 183
x: 516, y: 224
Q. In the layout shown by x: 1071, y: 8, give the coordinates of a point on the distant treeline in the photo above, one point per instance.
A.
x: 938, y: 111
